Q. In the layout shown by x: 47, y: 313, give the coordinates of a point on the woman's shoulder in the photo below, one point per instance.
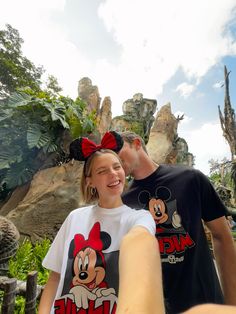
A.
x: 136, y: 211
x: 81, y: 210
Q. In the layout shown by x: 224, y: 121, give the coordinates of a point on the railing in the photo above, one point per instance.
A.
x: 12, y: 287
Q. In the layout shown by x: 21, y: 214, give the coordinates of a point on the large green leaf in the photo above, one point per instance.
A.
x: 75, y: 127
x: 50, y: 147
x: 37, y: 137
x: 8, y: 156
x: 18, y: 174
x: 57, y: 111
x: 18, y: 99
x: 5, y: 114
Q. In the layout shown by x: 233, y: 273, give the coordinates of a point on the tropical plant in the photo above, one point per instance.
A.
x: 52, y: 86
x: 16, y: 70
x: 28, y: 258
x: 220, y: 172
x: 32, y: 126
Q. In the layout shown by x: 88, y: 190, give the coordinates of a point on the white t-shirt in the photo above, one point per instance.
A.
x: 85, y: 252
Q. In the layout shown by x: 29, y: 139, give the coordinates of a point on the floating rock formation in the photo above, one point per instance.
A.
x: 164, y: 145
x: 104, y: 117
x: 138, y: 116
x: 89, y: 94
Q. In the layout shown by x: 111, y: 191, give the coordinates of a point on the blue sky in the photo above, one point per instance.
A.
x: 173, y: 51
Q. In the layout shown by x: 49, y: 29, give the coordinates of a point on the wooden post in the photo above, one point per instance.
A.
x: 31, y: 293
x: 8, y: 303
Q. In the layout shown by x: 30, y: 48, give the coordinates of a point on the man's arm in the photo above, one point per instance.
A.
x: 211, y: 309
x: 49, y: 293
x: 225, y: 255
x: 140, y: 287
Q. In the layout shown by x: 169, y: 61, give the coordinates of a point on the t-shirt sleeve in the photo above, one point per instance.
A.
x: 54, y: 257
x: 212, y: 205
x: 144, y: 218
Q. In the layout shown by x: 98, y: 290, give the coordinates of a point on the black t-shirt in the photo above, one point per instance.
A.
x: 179, y: 198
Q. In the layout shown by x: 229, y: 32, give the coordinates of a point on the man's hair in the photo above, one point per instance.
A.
x: 129, y: 137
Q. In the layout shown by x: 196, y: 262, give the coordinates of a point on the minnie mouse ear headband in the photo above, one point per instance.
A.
x: 82, y: 148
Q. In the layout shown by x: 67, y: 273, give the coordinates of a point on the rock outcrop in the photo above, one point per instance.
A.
x: 104, y: 117
x: 138, y: 116
x: 89, y: 94
x: 183, y: 156
x: 164, y: 145
x: 53, y: 193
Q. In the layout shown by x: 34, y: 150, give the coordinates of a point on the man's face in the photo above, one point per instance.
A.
x: 129, y: 157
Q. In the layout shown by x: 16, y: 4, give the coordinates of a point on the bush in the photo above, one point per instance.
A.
x: 28, y: 257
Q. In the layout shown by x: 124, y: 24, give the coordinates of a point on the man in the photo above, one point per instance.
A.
x: 179, y: 198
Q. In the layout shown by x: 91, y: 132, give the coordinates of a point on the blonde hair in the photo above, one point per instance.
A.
x: 89, y: 194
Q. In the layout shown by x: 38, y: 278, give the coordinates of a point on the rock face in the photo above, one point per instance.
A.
x: 105, y: 116
x: 164, y: 145
x: 137, y: 117
x: 89, y: 94
x: 16, y: 197
x: 183, y: 157
x: 53, y: 193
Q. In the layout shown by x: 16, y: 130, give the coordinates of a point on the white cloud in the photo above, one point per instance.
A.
x: 206, y: 142
x: 45, y: 42
x: 185, y: 89
x: 159, y: 37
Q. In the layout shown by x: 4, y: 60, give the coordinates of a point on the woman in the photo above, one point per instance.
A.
x: 83, y: 258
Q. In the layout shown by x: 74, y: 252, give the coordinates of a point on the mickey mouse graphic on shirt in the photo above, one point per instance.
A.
x: 88, y: 286
x: 173, y: 239
x: 163, y: 212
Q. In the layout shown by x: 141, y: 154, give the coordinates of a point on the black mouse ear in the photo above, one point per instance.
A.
x: 76, y: 151
x: 144, y: 197
x: 163, y: 193
x: 118, y: 140
x: 106, y: 239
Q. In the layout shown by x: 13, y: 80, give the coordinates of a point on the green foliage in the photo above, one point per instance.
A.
x: 215, y: 178
x: 19, y: 304
x: 52, y: 86
x: 28, y: 258
x: 16, y: 71
x: 222, y: 176
x: 31, y: 129
x: 234, y: 234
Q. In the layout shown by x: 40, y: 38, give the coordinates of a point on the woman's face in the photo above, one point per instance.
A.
x: 107, y: 176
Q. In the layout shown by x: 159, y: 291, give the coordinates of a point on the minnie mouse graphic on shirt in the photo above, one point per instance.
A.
x: 89, y: 292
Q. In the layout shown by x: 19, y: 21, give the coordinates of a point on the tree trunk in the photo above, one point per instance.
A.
x: 227, y: 120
